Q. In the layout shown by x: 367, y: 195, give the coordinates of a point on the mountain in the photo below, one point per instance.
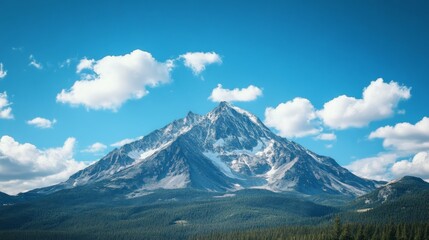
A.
x: 402, y: 201
x: 392, y: 191
x: 225, y: 150
x: 5, y: 199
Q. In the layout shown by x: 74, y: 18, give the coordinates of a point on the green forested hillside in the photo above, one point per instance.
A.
x: 164, y: 214
x: 183, y: 214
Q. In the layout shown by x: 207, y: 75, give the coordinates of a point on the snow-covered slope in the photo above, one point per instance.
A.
x: 224, y: 150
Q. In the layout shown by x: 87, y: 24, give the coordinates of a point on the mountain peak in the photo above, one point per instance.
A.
x: 393, y: 190
x: 227, y: 108
x: 225, y: 104
x: 192, y: 115
x: 227, y: 149
x: 408, y: 180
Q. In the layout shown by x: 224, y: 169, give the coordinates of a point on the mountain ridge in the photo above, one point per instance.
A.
x: 224, y: 150
x: 393, y: 190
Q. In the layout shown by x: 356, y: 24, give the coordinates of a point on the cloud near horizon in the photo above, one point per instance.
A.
x: 405, y: 137
x: 23, y: 166
x: 377, y: 167
x: 402, y: 139
x: 388, y: 166
x: 418, y: 166
x: 299, y: 118
x: 95, y: 148
x: 116, y: 79
x: 220, y: 94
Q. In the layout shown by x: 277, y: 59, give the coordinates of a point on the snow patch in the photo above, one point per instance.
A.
x: 169, y: 182
x: 314, y: 156
x: 363, y: 210
x: 139, y: 155
x: 214, y: 157
x: 252, y: 117
x: 219, y: 143
x: 181, y: 222
x: 344, y: 187
x: 277, y: 173
x: 226, y: 195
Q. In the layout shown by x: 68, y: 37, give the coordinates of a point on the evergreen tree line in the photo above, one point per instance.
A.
x: 336, y: 231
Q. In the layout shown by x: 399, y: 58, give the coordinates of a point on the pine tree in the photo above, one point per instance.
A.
x: 359, y: 234
x: 345, y: 233
x: 337, y: 228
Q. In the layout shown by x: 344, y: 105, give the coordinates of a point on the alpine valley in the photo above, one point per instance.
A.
x: 204, y: 175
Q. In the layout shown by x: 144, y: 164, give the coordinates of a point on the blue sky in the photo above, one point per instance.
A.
x: 309, y: 51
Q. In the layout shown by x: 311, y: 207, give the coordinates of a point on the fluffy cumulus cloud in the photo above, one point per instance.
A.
x: 418, y: 166
x: 3, y: 72
x: 374, y: 167
x: 115, y: 79
x: 95, y: 148
x: 35, y: 63
x: 220, y: 94
x: 5, y: 109
x: 197, y: 61
x: 125, y: 141
x: 41, y: 122
x: 378, y: 101
x: 296, y: 118
x: 405, y: 137
x: 24, y: 167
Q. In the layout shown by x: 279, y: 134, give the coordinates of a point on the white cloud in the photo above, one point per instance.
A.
x: 220, y: 94
x: 197, y: 61
x: 418, y: 166
x: 377, y: 168
x: 42, y: 122
x: 5, y: 109
x: 95, y: 148
x: 386, y: 167
x: 296, y: 118
x: 116, y: 79
x: 326, y: 137
x: 85, y: 63
x: 3, y: 72
x: 405, y: 137
x: 379, y: 101
x: 24, y: 167
x: 34, y: 63
x: 125, y: 141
